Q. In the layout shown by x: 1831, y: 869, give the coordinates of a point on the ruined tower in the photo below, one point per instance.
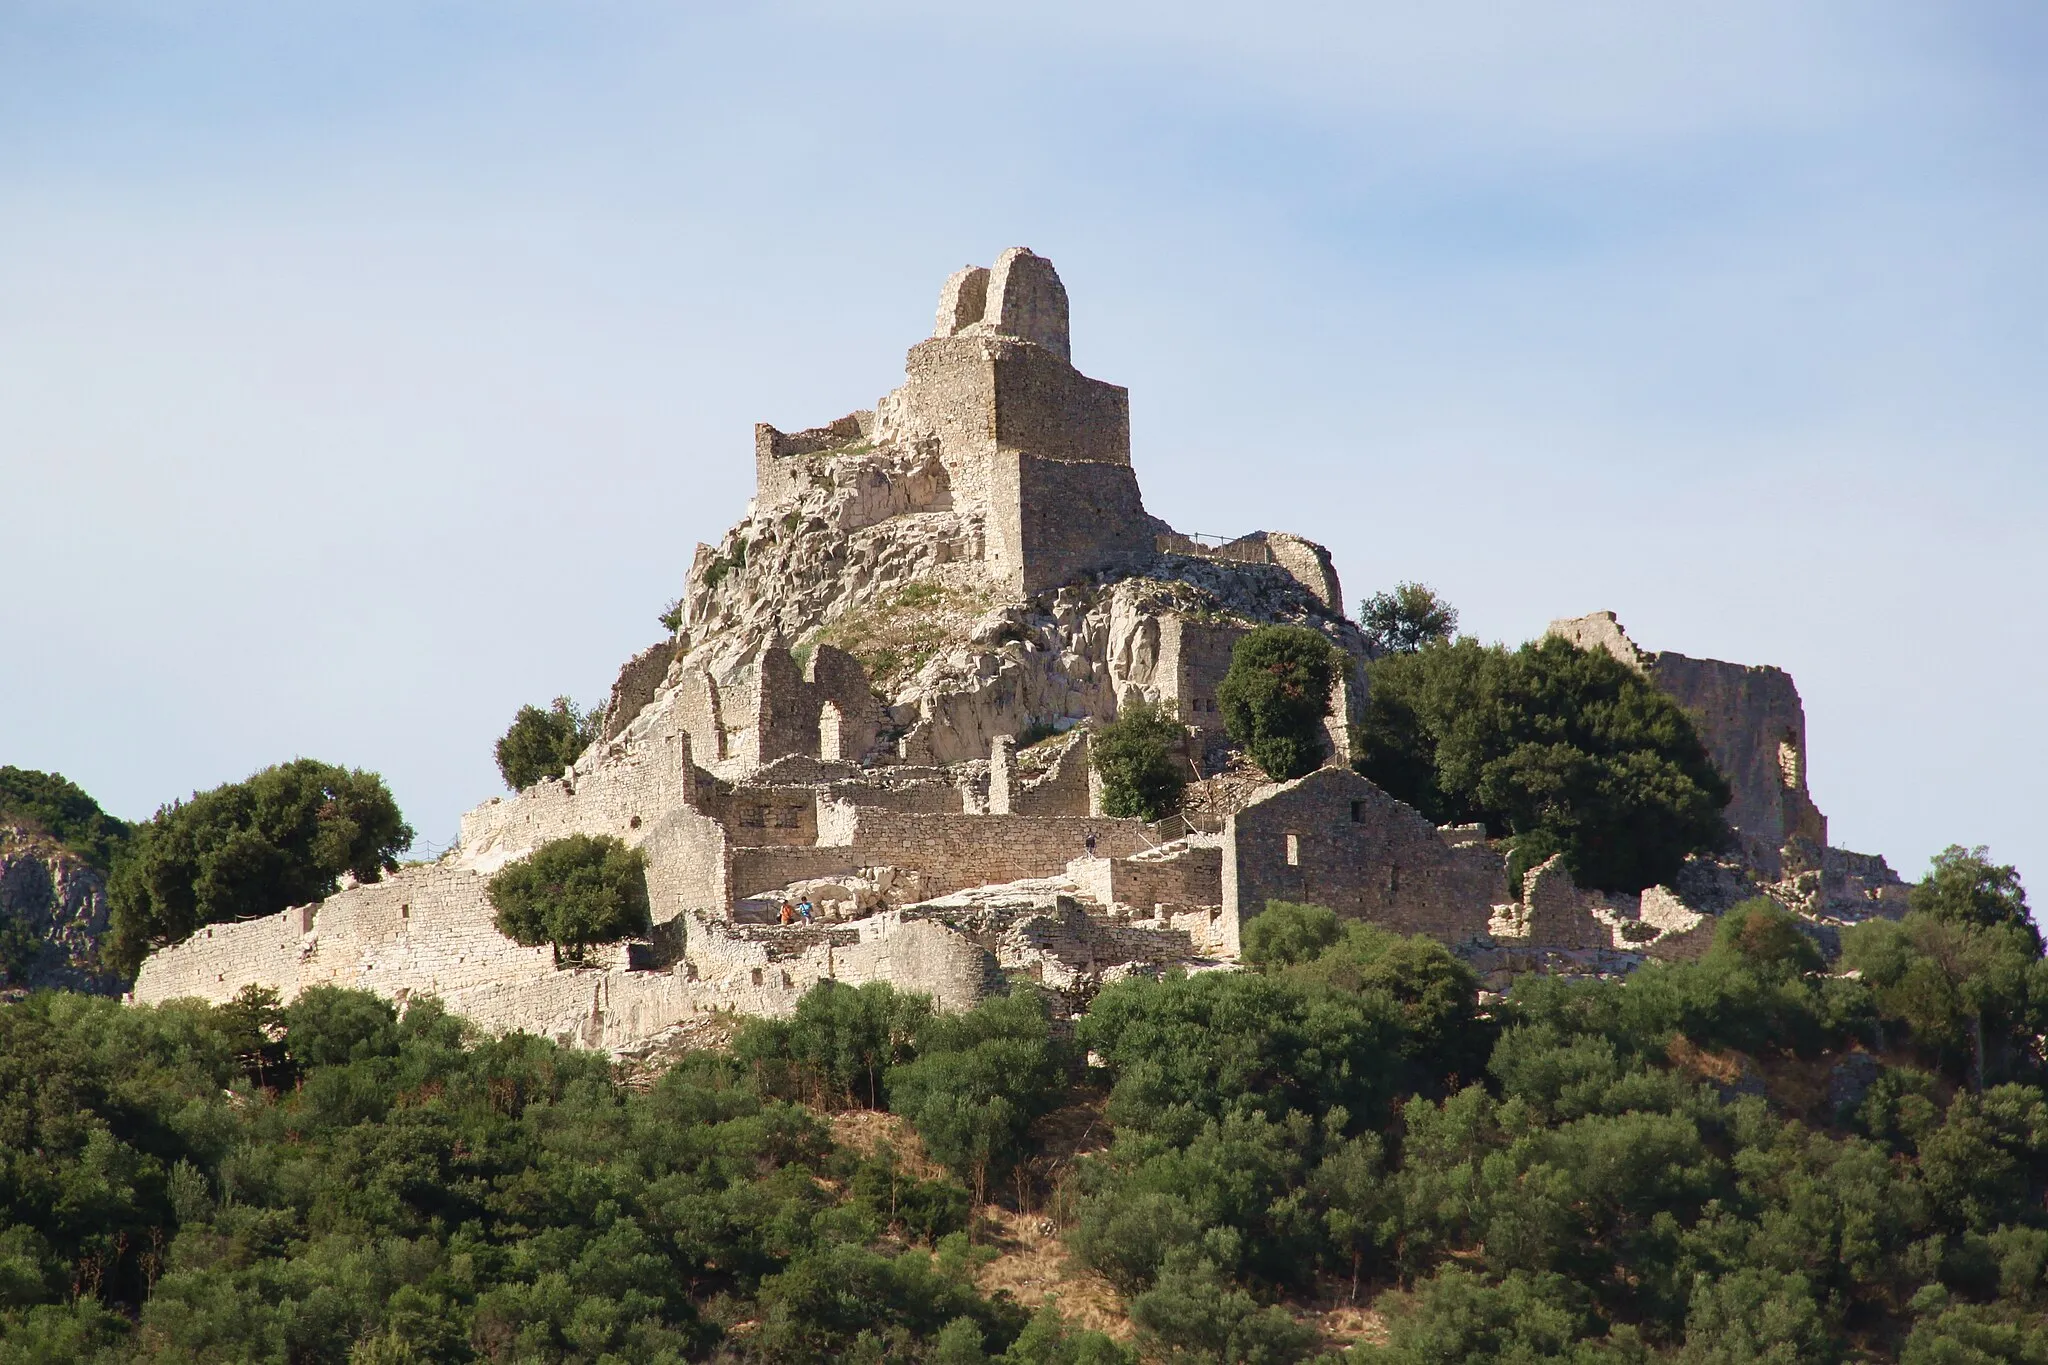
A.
x: 1039, y: 449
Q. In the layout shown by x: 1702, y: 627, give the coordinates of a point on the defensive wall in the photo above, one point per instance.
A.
x: 1754, y: 727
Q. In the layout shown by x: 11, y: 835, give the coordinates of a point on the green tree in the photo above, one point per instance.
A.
x: 838, y: 1046
x: 1275, y: 696
x: 541, y: 743
x: 283, y: 837
x: 1406, y: 619
x: 1194, y: 1316
x: 1285, y: 933
x: 1561, y: 749
x: 1964, y: 989
x: 979, y: 1080
x: 1139, y: 758
x: 62, y: 810
x: 1964, y: 886
x: 571, y: 893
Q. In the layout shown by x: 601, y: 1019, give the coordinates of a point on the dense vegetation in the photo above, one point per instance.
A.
x: 332, y: 1182
x: 572, y: 892
x: 1741, y: 1159
x: 283, y: 837
x: 540, y: 743
x: 61, y: 809
x: 1563, y: 750
x: 1407, y: 618
x: 1139, y: 758
x: 1275, y: 695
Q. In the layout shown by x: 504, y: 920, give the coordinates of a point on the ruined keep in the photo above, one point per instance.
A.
x: 878, y: 699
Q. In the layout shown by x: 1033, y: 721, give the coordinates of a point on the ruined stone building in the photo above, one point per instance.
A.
x: 878, y: 698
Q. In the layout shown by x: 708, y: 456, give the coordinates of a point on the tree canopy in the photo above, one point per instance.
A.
x: 541, y: 743
x: 61, y: 809
x: 1138, y: 756
x: 573, y: 892
x: 1563, y: 750
x: 1749, y: 1157
x: 1407, y: 618
x: 1275, y: 695
x: 284, y: 836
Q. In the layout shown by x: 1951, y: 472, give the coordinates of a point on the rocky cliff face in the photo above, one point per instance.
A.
x: 53, y: 913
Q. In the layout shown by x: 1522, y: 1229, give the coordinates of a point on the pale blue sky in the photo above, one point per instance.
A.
x: 368, y: 370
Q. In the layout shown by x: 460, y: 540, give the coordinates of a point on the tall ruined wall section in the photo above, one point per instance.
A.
x: 620, y: 787
x: 1042, y: 451
x: 1754, y: 726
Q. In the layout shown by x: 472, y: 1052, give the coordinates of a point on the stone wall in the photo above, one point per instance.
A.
x: 787, y: 706
x: 1055, y: 521
x: 637, y: 683
x: 1186, y: 876
x: 1194, y: 656
x: 766, y: 970
x: 689, y: 864
x: 1062, y: 788
x: 780, y: 474
x: 958, y: 851
x: 1336, y: 840
x: 755, y: 870
x: 1753, y: 724
x: 617, y: 789
x: 427, y: 931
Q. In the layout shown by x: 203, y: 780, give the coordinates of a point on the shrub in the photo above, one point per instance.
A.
x: 571, y: 893
x: 1275, y: 696
x: 541, y: 743
x: 1285, y: 933
x: 979, y: 1080
x: 1406, y: 619
x: 1138, y: 756
x: 1565, y: 750
x: 838, y: 1046
x: 251, y: 848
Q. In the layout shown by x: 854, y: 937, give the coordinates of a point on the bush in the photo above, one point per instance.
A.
x: 978, y: 1081
x: 1406, y: 619
x: 541, y: 743
x: 283, y: 837
x: 1138, y: 756
x: 1285, y: 933
x: 571, y: 893
x: 837, y: 1047
x: 1275, y: 696
x: 1565, y: 750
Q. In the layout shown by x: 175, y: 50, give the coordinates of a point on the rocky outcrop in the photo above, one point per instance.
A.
x: 53, y: 914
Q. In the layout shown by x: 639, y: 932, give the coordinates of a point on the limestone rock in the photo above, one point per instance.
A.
x: 53, y: 914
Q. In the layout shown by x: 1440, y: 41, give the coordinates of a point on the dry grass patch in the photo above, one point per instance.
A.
x: 897, y: 634
x: 1031, y: 1265
x: 864, y: 1131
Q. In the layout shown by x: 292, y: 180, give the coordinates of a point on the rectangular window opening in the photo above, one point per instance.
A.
x: 1358, y: 812
x: 1294, y: 850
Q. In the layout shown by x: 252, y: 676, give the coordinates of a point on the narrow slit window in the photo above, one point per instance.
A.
x: 1294, y: 850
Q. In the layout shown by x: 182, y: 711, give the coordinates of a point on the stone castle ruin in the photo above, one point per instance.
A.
x: 878, y: 698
